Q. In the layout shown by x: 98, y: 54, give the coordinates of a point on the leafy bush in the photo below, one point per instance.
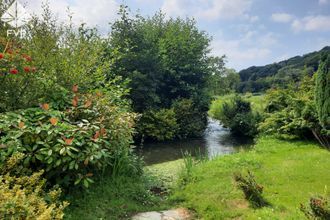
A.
x: 237, y: 115
x: 24, y: 197
x: 191, y: 122
x: 64, y: 56
x: 252, y: 190
x: 18, y: 77
x: 71, y: 146
x: 158, y: 125
x: 292, y: 113
x: 318, y: 208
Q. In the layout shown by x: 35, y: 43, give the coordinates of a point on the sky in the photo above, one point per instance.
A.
x: 248, y: 32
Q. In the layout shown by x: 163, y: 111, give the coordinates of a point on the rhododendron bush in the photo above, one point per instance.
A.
x: 71, y: 146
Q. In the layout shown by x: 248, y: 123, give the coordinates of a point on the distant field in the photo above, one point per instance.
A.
x: 291, y: 172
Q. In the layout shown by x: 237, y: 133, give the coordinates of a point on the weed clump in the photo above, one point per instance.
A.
x: 252, y: 190
x: 318, y: 208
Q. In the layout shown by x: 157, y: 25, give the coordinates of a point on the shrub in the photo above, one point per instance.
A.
x: 18, y: 77
x: 322, y: 94
x: 252, y: 190
x: 318, y: 208
x: 158, y: 125
x: 63, y: 54
x: 24, y: 197
x: 71, y: 146
x: 292, y: 113
x: 191, y: 122
x: 237, y: 115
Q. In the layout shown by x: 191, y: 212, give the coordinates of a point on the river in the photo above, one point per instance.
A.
x: 216, y: 140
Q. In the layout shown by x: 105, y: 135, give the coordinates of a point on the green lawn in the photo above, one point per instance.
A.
x: 290, y: 172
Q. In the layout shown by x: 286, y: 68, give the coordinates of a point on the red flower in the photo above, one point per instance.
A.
x: 27, y: 69
x: 1, y: 56
x: 28, y: 58
x: 13, y: 71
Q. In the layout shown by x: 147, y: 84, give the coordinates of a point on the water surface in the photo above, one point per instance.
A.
x: 217, y: 140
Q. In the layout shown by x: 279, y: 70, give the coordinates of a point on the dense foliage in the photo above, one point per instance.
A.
x: 72, y: 135
x: 237, y: 114
x: 292, y: 113
x: 222, y: 81
x: 281, y: 74
x: 159, y: 125
x: 24, y: 197
x: 165, y: 61
x: 70, y: 146
x: 52, y: 58
x: 322, y: 94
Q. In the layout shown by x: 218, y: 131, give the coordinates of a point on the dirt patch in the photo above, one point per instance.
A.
x: 238, y: 204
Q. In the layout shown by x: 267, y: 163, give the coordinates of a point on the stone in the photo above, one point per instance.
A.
x: 175, y: 214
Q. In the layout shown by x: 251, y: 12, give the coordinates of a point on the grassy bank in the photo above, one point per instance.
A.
x: 291, y: 172
x: 122, y: 197
x: 115, y: 199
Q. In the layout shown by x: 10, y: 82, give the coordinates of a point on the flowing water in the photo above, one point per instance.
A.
x: 217, y: 140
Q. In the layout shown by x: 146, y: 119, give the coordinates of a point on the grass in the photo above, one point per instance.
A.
x: 115, y: 199
x: 291, y: 172
x: 167, y: 173
x: 257, y: 103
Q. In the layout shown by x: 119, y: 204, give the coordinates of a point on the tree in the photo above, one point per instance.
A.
x: 322, y: 93
x: 165, y: 60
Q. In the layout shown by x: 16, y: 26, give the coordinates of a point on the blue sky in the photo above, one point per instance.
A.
x: 248, y: 32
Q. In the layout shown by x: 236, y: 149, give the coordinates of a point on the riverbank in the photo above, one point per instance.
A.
x: 290, y: 172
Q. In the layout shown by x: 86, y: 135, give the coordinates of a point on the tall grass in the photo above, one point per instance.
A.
x: 189, y: 163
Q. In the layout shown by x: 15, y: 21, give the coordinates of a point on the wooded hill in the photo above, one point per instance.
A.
x: 260, y: 78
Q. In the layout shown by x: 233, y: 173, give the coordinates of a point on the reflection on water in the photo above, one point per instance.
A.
x: 217, y: 140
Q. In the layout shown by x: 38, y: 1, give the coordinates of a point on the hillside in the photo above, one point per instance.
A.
x: 261, y: 78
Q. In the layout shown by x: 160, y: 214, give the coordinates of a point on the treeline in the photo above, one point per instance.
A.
x: 279, y: 75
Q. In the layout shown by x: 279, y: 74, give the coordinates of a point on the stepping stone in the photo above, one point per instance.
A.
x: 175, y: 214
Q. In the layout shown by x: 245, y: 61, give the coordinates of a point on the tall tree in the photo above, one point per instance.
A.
x: 165, y: 60
x: 322, y: 93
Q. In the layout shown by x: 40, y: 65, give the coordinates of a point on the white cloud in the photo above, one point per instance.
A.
x: 93, y: 13
x: 282, y: 17
x: 175, y: 7
x: 312, y: 23
x: 209, y: 9
x: 252, y: 48
x: 254, y: 18
x: 308, y: 23
x: 323, y: 2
